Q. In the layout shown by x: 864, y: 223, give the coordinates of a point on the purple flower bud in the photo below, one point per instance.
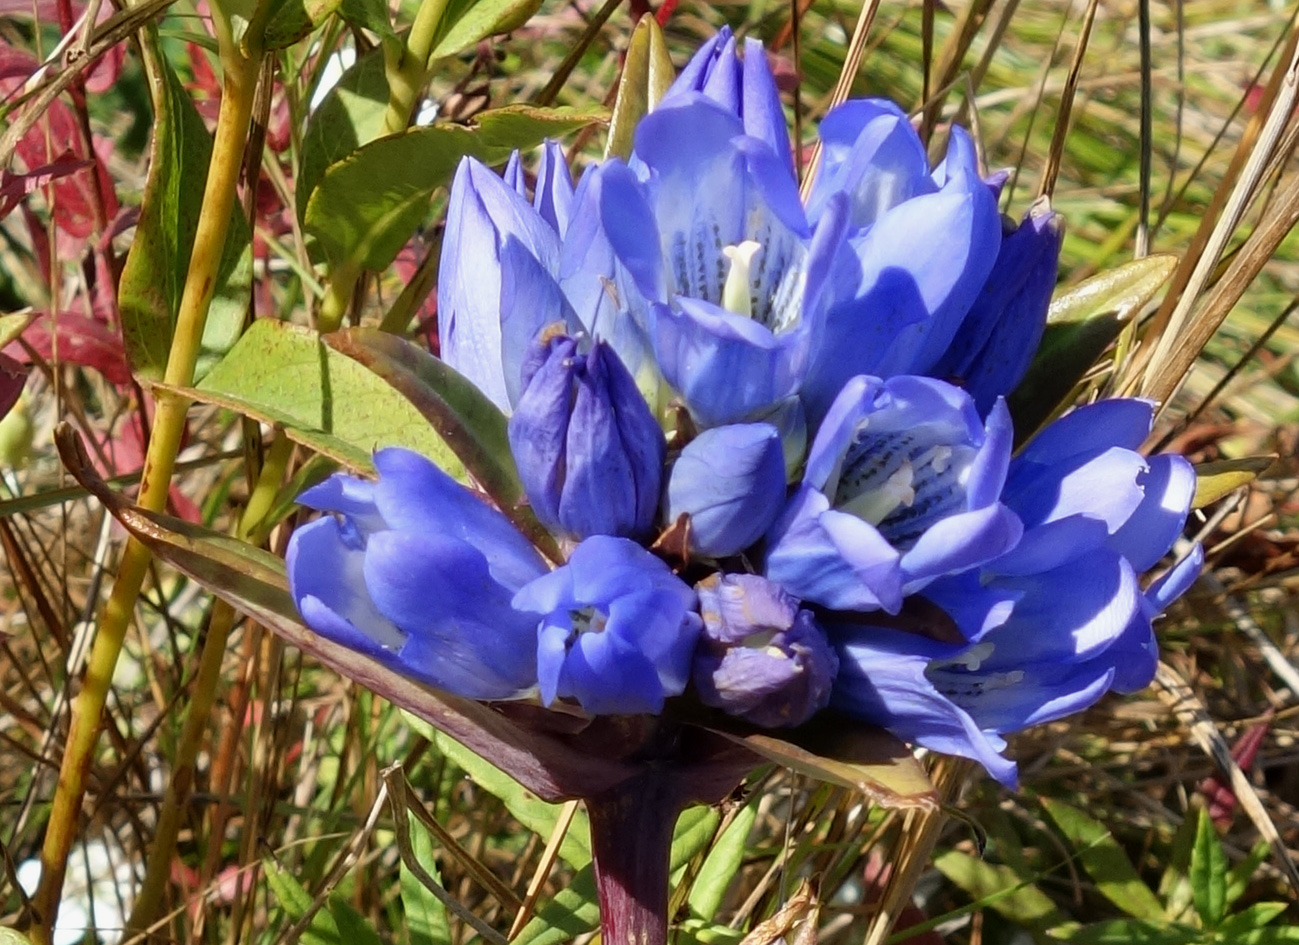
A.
x: 617, y: 629
x: 762, y: 659
x: 589, y: 451
x: 731, y: 482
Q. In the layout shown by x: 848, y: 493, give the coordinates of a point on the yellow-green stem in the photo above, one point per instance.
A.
x: 406, y: 66
x: 148, y: 903
x: 209, y: 241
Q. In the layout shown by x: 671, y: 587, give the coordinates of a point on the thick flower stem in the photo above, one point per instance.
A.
x: 240, y: 81
x: 631, y: 839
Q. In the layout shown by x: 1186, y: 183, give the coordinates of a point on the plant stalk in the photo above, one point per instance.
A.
x: 631, y: 841
x: 240, y: 83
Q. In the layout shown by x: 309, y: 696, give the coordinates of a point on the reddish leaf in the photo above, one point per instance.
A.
x: 1217, y: 787
x: 12, y: 377
x: 82, y: 340
x: 15, y: 187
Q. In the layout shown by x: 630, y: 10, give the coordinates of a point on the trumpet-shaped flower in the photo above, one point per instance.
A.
x: 417, y: 572
x: 1047, y: 628
x: 589, y: 452
x: 617, y: 629
x: 762, y: 658
x: 902, y: 486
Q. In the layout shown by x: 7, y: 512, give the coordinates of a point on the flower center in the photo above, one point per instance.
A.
x: 901, y: 482
x: 955, y: 678
x: 737, y: 292
x: 586, y: 620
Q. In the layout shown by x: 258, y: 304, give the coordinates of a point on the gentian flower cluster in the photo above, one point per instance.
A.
x: 771, y: 440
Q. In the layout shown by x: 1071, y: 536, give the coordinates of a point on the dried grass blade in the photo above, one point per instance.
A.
x: 1052, y: 170
x: 544, y: 867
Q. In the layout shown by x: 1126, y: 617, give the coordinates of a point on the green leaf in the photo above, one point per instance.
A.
x: 1241, y: 874
x: 291, y: 20
x: 867, y: 760
x: 1223, y: 477
x: 537, y: 815
x: 153, y: 276
x: 646, y: 75
x: 1209, y: 874
x: 1234, y: 928
x: 1000, y: 888
x: 470, y: 425
x: 425, y: 915
x: 350, y: 115
x: 295, y: 901
x: 466, y: 22
x: 723, y: 862
x: 284, y: 374
x: 1275, y: 935
x: 371, y: 15
x: 353, y: 928
x: 367, y: 205
x: 1082, y: 322
x: 1104, y: 861
x: 1135, y: 932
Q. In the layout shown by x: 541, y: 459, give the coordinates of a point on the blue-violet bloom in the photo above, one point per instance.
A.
x: 902, y: 486
x: 762, y: 658
x: 617, y: 629
x: 730, y: 481
x: 589, y: 452
x: 418, y: 572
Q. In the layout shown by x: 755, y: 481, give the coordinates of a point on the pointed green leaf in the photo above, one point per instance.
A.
x: 153, y: 277
x: 1236, y: 928
x: 353, y: 928
x: 1209, y: 874
x: 1104, y: 861
x: 367, y: 205
x: 1000, y: 888
x: 1135, y: 932
x: 723, y: 862
x: 291, y: 20
x: 295, y: 901
x: 283, y: 374
x: 1242, y: 873
x: 1215, y: 480
x: 350, y: 115
x: 1082, y: 322
x: 369, y: 15
x: 859, y: 757
x: 466, y: 22
x: 425, y: 915
x: 470, y: 425
x: 646, y: 75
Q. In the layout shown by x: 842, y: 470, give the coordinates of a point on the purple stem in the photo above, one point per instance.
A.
x: 631, y: 841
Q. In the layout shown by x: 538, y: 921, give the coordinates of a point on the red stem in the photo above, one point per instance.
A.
x: 631, y: 840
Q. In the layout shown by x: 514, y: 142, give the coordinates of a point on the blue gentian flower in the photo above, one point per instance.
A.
x: 590, y: 454
x: 920, y: 248
x: 998, y: 337
x: 762, y: 657
x: 617, y: 630
x: 903, y: 485
x: 418, y: 572
x: 730, y: 482
x: 1047, y: 628
x: 743, y: 85
x: 497, y: 282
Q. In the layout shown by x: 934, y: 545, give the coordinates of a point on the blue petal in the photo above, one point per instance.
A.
x: 882, y: 680
x: 1095, y: 427
x: 1177, y: 581
x: 958, y: 542
x: 462, y: 634
x: 1104, y: 487
x: 422, y: 498
x: 484, y: 213
x: 871, y: 153
x: 554, y: 192
x: 764, y: 118
x: 831, y: 558
x: 1168, y: 487
x: 921, y: 266
x: 997, y: 339
x: 726, y: 367
x: 730, y: 480
x: 327, y: 582
x: 1043, y: 694
x: 538, y: 430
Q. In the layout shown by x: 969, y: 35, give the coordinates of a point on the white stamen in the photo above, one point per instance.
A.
x: 737, y: 296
